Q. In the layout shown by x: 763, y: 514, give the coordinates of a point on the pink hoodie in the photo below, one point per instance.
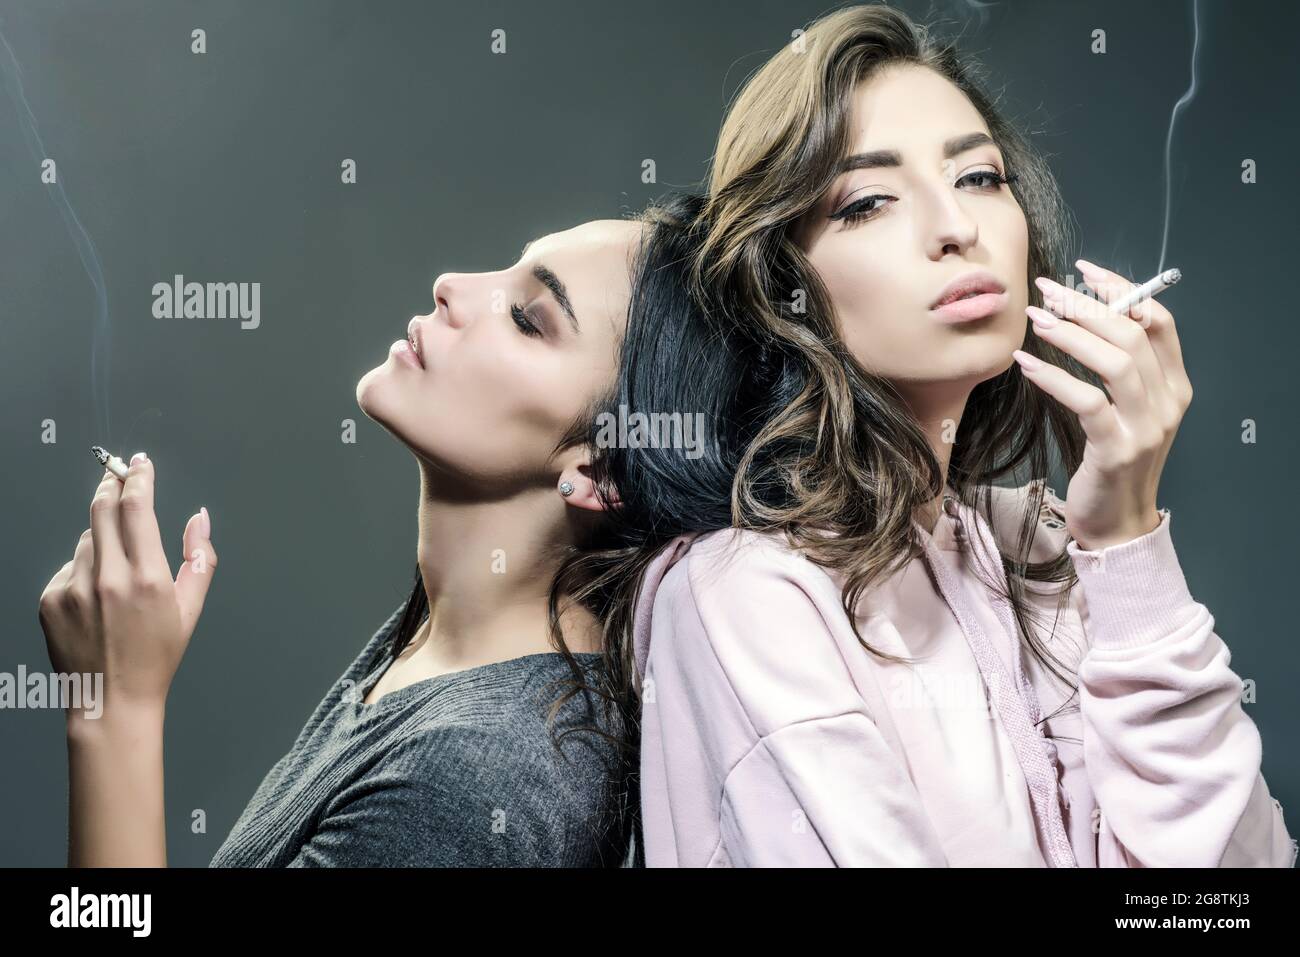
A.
x: 771, y: 737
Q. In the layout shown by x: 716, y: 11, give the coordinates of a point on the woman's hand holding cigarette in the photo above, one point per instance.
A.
x: 115, y: 608
x: 1112, y: 497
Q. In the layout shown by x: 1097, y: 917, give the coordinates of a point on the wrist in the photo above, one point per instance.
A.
x: 123, y: 722
x: 1121, y: 537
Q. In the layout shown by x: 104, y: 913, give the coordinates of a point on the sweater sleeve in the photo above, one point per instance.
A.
x: 447, y: 797
x: 1171, y: 755
x: 807, y: 778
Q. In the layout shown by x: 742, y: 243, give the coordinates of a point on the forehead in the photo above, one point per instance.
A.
x: 907, y: 105
x: 601, y: 239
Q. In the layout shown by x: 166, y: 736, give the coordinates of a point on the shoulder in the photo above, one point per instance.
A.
x: 739, y: 589
x: 745, y: 615
x: 561, y: 723
x: 517, y: 716
x: 476, y: 756
x: 549, y: 785
x: 739, y: 567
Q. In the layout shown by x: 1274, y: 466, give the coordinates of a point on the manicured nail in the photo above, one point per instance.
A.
x: 1048, y: 287
x: 1041, y: 317
x: 139, y: 457
x: 1088, y: 267
x: 1026, y: 361
x: 206, y: 526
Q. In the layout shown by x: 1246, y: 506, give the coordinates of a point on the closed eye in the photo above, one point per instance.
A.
x: 526, y: 325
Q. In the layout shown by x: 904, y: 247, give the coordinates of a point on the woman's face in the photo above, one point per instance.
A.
x: 509, y: 359
x: 888, y: 237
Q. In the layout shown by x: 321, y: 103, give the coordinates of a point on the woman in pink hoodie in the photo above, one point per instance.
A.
x: 907, y: 650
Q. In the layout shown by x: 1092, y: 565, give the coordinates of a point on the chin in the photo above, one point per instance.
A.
x: 370, y: 390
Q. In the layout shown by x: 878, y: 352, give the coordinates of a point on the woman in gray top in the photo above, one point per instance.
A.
x: 459, y: 735
x: 455, y: 769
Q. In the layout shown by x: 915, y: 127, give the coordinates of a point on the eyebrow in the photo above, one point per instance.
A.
x: 552, y: 282
x: 883, y: 158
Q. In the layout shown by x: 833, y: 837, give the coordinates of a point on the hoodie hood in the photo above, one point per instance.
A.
x: 654, y: 574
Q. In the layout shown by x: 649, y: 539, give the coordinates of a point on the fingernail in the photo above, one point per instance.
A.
x: 1087, y: 266
x: 1026, y: 360
x: 139, y: 457
x: 206, y: 525
x: 1048, y: 287
x: 1041, y: 317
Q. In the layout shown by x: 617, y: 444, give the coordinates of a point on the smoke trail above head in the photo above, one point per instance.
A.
x: 81, y: 239
x: 1169, y: 137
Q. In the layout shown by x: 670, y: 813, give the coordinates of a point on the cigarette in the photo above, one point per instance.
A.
x: 111, y: 462
x: 1147, y: 290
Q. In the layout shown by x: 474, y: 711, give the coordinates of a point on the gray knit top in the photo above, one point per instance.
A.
x: 454, y: 770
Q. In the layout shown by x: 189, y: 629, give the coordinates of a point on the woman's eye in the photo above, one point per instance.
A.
x: 869, y: 207
x: 861, y: 209
x: 990, y: 179
x: 526, y: 325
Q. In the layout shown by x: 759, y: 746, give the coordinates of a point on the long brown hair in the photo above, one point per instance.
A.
x: 845, y: 455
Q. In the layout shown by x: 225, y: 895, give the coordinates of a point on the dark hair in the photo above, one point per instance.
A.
x: 672, y: 361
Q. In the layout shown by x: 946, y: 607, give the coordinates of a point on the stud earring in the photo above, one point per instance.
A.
x: 566, y: 489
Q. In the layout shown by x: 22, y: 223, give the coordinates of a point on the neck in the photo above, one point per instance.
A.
x: 938, y: 411
x: 487, y: 567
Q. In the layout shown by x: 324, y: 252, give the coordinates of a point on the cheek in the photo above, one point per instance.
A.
x: 855, y: 280
x: 497, y: 390
x: 1012, y: 242
x: 504, y: 405
x: 1014, y: 238
x: 868, y: 288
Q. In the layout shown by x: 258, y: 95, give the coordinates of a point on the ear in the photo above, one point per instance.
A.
x: 584, y: 488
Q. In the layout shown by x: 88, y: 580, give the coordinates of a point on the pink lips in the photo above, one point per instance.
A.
x: 412, y: 347
x: 972, y: 296
x: 972, y: 307
x: 402, y: 349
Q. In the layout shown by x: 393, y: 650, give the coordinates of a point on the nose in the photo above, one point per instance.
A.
x: 448, y: 300
x: 949, y: 227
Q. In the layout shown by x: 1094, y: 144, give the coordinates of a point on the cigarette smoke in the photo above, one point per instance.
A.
x: 81, y: 239
x: 1183, y: 100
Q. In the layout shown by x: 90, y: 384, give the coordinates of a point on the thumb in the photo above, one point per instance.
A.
x: 197, y: 567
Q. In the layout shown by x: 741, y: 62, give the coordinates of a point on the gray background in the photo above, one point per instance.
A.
x: 225, y: 167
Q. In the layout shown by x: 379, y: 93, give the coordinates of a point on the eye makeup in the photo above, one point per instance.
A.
x: 859, y: 210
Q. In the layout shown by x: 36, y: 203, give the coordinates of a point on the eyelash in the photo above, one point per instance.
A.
x: 526, y: 325
x: 852, y: 215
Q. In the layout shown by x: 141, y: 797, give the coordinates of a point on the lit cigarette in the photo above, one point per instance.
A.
x: 110, y: 462
x: 1145, y: 291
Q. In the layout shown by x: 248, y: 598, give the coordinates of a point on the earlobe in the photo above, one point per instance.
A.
x: 577, y: 489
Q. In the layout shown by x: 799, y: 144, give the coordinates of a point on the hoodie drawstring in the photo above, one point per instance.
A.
x: 1018, y: 706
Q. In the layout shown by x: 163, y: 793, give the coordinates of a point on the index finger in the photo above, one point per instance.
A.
x: 105, y: 534
x: 1153, y: 317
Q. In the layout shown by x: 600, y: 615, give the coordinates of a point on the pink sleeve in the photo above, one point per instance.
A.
x: 808, y: 779
x: 1171, y: 755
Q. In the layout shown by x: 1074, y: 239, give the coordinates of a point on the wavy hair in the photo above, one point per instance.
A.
x: 843, y: 466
